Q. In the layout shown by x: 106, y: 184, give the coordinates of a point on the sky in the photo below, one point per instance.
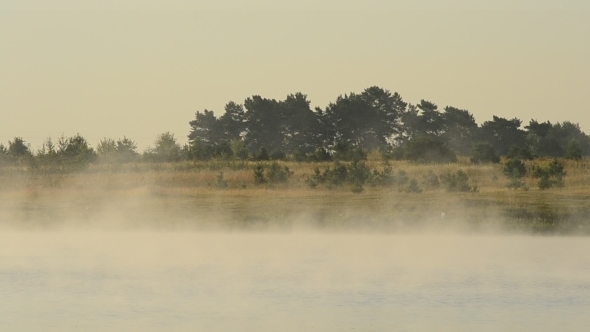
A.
x: 140, y: 68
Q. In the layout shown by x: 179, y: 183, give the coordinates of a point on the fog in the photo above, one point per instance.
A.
x: 291, y: 281
x: 96, y: 253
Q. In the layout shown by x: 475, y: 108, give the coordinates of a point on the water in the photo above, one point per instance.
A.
x: 98, y: 281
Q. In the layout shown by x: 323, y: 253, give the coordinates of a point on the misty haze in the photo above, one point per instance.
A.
x: 176, y: 168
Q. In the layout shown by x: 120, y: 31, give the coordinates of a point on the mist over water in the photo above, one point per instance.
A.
x: 265, y: 281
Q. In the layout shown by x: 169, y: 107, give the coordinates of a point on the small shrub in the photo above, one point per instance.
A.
x: 259, y: 177
x: 550, y: 176
x: 311, y: 183
x: 401, y: 178
x: 514, y: 168
x: 221, y: 183
x: 413, y: 187
x: 278, y: 174
x: 431, y: 180
x: 385, y: 177
x: 357, y: 188
x: 358, y: 172
x: 458, y: 182
x: 337, y: 175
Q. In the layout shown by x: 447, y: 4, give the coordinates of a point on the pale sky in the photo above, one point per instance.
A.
x: 139, y: 68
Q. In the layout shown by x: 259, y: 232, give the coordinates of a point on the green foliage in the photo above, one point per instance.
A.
x: 431, y: 180
x: 239, y: 150
x: 70, y: 154
x: 259, y: 177
x: 384, y: 177
x: 3, y: 155
x: 514, y: 169
x: 203, y: 151
x: 573, y: 150
x: 520, y: 153
x: 458, y: 181
x: 428, y: 149
x: 17, y: 148
x: 358, y: 172
x: 122, y: 150
x: 484, y: 153
x: 262, y: 155
x: 550, y: 176
x: 274, y: 173
x: 277, y: 155
x: 503, y: 133
x: 278, y: 174
x: 413, y: 187
x: 166, y: 149
x: 345, y: 152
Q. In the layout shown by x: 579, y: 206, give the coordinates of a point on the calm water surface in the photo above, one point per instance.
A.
x: 99, y: 281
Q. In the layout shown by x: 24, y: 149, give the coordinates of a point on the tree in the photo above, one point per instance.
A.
x: 459, y: 129
x: 430, y: 120
x: 484, y: 153
x: 300, y: 128
x: 106, y: 148
x: 166, y: 149
x: 369, y: 120
x: 233, y: 122
x: 502, y: 134
x: 573, y: 151
x: 205, y: 127
x: 553, y: 140
x: 77, y: 150
x: 126, y: 150
x: 263, y: 118
x: 18, y: 149
x: 122, y: 150
x: 428, y: 149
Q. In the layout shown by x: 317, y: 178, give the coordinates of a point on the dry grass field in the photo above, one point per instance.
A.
x: 192, y: 195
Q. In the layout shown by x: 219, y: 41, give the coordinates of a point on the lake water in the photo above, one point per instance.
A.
x: 149, y: 281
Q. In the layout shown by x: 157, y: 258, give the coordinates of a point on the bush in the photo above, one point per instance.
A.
x: 413, y: 187
x: 550, y: 176
x: 278, y: 174
x: 358, y: 172
x: 428, y: 149
x: 431, y: 180
x: 345, y: 152
x: 262, y: 155
x: 221, y: 183
x: 514, y: 168
x: 401, y: 178
x: 278, y: 155
x: 520, y: 153
x: 385, y: 177
x: 484, y: 153
x: 457, y: 182
x: 259, y: 174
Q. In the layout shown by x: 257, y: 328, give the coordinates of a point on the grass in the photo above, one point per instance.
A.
x: 186, y: 195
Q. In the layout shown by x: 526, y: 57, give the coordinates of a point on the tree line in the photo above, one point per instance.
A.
x: 374, y: 119
x: 346, y: 129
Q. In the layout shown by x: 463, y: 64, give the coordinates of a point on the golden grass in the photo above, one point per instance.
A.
x: 188, y: 192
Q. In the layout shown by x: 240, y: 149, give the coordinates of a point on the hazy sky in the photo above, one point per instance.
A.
x: 139, y: 68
